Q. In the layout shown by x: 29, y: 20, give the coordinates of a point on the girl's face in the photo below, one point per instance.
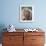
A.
x: 26, y: 13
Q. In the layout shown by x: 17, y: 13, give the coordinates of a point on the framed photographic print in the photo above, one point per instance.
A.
x: 26, y: 13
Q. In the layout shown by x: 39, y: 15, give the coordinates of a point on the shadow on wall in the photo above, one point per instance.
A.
x: 2, y: 26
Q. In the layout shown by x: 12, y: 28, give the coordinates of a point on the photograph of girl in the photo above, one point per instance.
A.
x: 26, y: 14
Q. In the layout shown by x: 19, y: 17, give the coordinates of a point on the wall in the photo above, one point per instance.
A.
x: 10, y: 13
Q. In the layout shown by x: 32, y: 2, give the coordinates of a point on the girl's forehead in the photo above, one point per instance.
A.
x: 26, y: 11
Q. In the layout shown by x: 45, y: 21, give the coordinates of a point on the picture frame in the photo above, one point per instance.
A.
x: 26, y: 13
